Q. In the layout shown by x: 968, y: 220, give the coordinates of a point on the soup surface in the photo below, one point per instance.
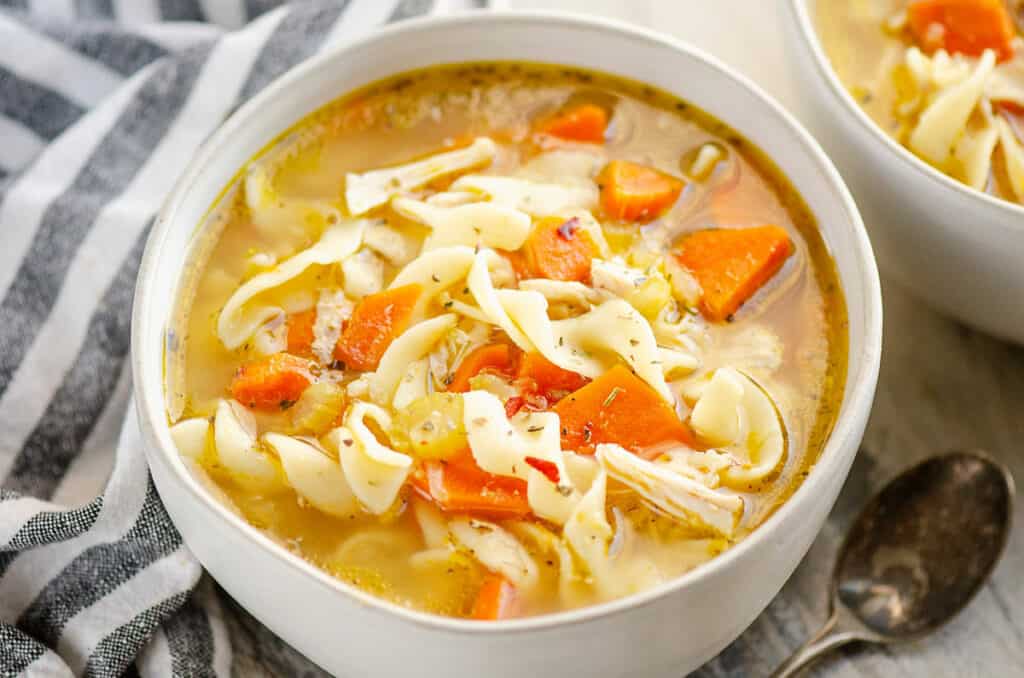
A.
x: 501, y: 340
x: 945, y: 78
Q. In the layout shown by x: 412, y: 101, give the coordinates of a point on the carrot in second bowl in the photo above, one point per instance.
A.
x: 965, y: 26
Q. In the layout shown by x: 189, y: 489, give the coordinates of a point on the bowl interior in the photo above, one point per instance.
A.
x: 538, y: 37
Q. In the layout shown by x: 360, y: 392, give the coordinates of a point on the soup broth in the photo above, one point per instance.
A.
x: 957, y: 104
x: 505, y: 339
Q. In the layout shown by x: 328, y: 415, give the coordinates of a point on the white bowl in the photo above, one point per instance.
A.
x: 666, y: 631
x: 959, y: 249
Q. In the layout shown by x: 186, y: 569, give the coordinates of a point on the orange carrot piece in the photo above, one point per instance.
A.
x: 636, y: 192
x: 275, y: 382
x: 458, y: 485
x: 518, y: 262
x: 559, y: 249
x: 300, y: 332
x: 965, y: 26
x: 732, y: 264
x: 497, y: 357
x: 1010, y: 108
x: 548, y: 376
x: 497, y: 599
x: 586, y: 122
x: 618, y: 407
x: 374, y: 324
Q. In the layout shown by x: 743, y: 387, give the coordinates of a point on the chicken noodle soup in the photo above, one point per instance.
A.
x: 501, y: 340
x: 945, y: 78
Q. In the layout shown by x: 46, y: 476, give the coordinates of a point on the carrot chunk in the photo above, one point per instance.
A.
x: 497, y: 599
x: 636, y: 192
x: 497, y: 357
x: 300, y: 332
x: 375, y: 323
x: 586, y: 122
x: 518, y: 262
x: 458, y: 485
x: 732, y: 264
x: 559, y: 249
x: 548, y: 376
x: 275, y: 382
x: 618, y: 407
x: 1010, y: 108
x: 965, y: 26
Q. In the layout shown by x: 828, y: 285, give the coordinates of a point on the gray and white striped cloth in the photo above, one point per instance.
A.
x: 102, y: 104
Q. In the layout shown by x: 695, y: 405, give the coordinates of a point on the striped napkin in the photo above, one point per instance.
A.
x: 102, y: 105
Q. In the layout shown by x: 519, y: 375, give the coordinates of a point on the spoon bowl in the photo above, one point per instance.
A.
x: 925, y: 544
x: 917, y: 554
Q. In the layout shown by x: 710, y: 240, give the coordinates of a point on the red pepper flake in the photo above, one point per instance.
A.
x: 513, y: 405
x: 568, y: 229
x: 548, y: 468
x: 530, y: 398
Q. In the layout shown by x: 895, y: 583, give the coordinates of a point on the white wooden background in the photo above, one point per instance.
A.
x: 942, y: 387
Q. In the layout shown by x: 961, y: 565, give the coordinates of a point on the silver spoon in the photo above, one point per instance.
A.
x: 917, y: 554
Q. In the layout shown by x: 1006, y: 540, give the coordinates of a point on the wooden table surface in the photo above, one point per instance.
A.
x: 942, y: 387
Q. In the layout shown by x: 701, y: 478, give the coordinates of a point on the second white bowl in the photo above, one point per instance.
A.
x: 959, y: 249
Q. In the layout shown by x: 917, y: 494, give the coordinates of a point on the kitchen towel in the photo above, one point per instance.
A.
x: 102, y: 105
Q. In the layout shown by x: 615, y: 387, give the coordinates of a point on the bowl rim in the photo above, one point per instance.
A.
x: 863, y: 367
x: 1005, y: 213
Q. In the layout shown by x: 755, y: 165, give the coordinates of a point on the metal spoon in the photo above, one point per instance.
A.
x: 917, y: 554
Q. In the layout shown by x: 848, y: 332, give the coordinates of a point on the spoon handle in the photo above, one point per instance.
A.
x: 827, y: 639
